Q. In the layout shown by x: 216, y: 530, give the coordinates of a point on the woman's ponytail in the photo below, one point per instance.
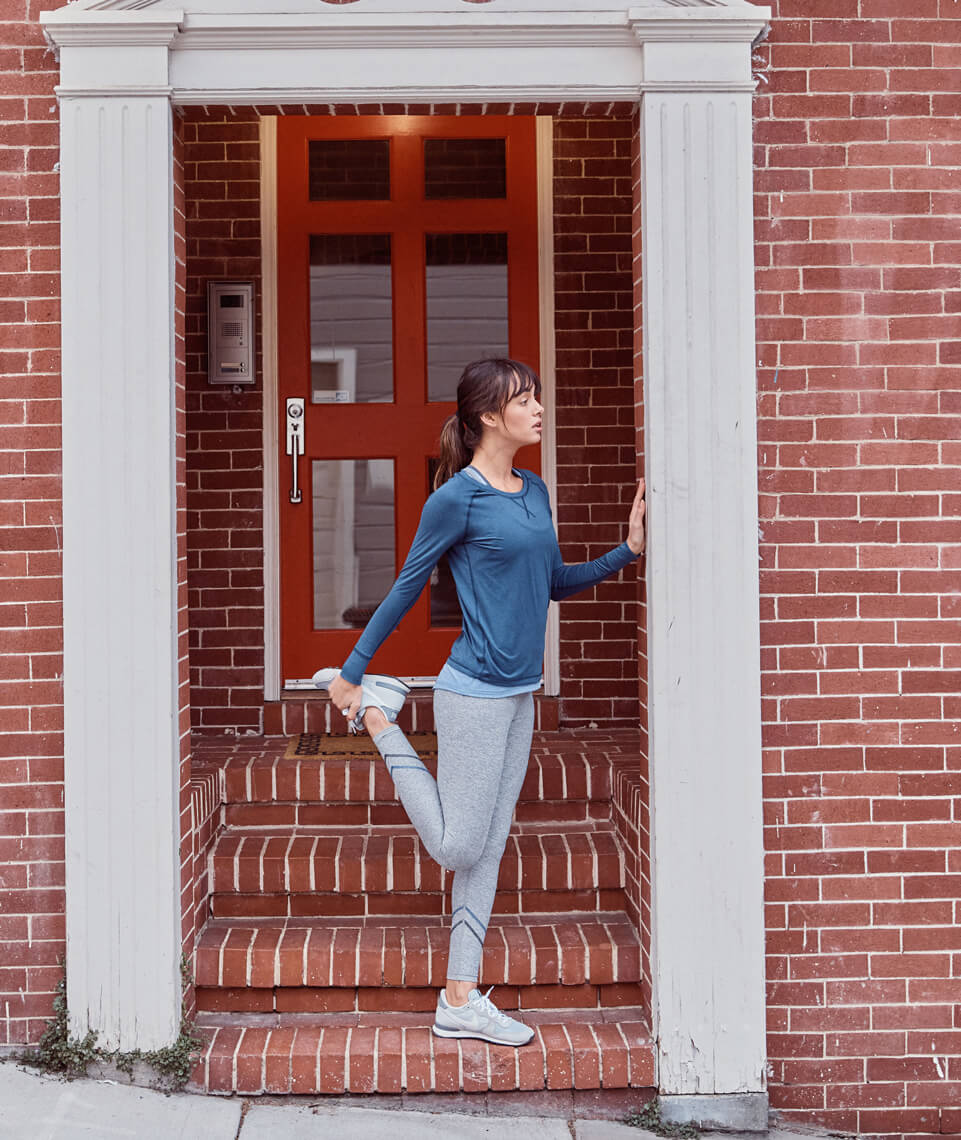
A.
x: 454, y: 452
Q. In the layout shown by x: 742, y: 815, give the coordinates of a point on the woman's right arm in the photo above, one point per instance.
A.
x: 442, y: 525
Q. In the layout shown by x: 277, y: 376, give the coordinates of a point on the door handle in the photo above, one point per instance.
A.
x: 295, y: 443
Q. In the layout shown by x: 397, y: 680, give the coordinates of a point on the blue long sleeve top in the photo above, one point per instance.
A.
x: 507, y: 566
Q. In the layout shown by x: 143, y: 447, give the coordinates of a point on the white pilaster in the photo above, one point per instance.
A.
x: 122, y: 750
x: 702, y: 564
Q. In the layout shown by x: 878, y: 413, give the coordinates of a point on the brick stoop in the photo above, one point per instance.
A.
x: 332, y: 965
x: 319, y: 966
x: 380, y: 870
x: 265, y: 788
x: 392, y: 1053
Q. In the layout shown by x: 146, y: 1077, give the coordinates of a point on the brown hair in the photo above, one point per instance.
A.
x: 484, y: 386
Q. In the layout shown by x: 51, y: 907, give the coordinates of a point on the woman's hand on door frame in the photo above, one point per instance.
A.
x: 636, y: 537
x: 345, y: 696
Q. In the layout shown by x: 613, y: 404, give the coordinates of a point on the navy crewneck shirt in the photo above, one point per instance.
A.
x: 507, y: 566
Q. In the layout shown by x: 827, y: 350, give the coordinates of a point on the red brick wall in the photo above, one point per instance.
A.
x: 858, y: 249
x: 31, y: 695
x: 595, y: 398
x: 594, y: 319
x: 224, y: 442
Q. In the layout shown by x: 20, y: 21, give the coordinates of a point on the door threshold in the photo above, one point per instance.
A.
x: 309, y: 710
x: 307, y: 685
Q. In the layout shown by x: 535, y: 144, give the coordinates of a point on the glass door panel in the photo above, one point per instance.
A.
x: 348, y: 170
x: 354, y: 566
x: 467, y: 305
x: 465, y: 168
x: 445, y: 612
x: 351, y: 319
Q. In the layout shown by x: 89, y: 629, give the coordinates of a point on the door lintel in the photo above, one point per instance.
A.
x: 247, y: 53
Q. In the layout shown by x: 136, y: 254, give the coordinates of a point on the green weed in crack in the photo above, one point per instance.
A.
x: 58, y: 1052
x: 649, y: 1119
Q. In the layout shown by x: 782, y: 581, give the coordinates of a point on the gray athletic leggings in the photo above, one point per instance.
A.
x: 464, y: 816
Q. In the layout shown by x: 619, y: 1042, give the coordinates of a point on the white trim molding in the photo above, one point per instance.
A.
x: 548, y: 354
x: 688, y: 62
x: 703, y: 605
x: 271, y: 426
x: 266, y: 51
x: 120, y: 621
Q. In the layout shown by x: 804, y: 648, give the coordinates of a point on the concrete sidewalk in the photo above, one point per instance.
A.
x: 37, y: 1107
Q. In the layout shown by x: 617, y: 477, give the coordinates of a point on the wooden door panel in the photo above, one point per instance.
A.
x: 405, y: 430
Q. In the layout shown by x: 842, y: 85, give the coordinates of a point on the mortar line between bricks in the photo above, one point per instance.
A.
x: 312, y: 864
x: 248, y: 955
x: 290, y: 844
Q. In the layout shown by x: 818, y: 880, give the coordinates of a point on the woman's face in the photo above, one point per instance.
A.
x: 521, y: 420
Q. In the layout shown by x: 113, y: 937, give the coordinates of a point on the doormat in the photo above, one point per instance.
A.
x: 325, y: 744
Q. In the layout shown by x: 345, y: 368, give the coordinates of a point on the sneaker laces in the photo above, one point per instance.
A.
x: 484, y: 1001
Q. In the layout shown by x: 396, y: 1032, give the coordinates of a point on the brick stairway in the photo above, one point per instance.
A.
x: 318, y: 968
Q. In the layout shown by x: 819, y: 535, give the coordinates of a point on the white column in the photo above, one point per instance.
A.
x: 120, y: 673
x: 702, y: 564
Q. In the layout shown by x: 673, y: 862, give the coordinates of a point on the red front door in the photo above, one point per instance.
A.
x: 407, y: 246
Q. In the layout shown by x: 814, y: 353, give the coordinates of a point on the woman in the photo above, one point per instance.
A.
x: 494, y: 523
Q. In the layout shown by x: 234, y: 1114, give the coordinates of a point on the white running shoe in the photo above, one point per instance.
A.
x: 480, y: 1018
x: 378, y: 691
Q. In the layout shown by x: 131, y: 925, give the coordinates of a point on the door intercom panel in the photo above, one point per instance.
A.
x: 230, y: 332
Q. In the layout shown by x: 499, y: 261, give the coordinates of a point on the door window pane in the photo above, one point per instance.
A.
x: 465, y: 168
x: 354, y: 562
x: 444, y: 607
x: 351, y: 321
x: 348, y: 170
x: 466, y: 306
x: 445, y: 610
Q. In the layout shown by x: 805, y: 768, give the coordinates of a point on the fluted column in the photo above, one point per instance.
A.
x: 702, y: 565
x: 120, y: 672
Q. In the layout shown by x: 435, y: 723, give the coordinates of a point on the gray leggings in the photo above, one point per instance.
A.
x: 464, y: 816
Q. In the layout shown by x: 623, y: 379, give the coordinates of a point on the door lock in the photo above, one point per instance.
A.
x: 295, y: 442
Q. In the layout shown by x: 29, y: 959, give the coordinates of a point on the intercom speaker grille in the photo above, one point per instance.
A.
x: 231, y: 328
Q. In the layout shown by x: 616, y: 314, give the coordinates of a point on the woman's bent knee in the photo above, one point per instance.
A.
x: 458, y: 855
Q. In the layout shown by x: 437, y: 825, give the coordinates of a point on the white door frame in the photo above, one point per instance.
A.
x: 544, y: 141
x: 687, y: 62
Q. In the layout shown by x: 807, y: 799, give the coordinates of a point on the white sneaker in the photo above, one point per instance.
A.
x: 480, y: 1018
x: 378, y: 691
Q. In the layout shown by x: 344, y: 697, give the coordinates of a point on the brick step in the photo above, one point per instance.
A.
x: 324, y: 965
x: 391, y: 904
x: 268, y: 789
x: 392, y: 1053
x: 407, y: 999
x: 310, y: 711
x: 387, y: 871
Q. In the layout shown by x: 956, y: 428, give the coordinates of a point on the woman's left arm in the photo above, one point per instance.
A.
x: 570, y: 579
